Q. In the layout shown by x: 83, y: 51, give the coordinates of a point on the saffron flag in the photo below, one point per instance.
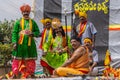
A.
x: 107, y: 58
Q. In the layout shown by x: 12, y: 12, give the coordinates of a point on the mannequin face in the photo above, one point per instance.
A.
x: 88, y: 44
x: 26, y: 14
x: 48, y: 25
x: 82, y: 19
x: 58, y: 31
x: 75, y: 44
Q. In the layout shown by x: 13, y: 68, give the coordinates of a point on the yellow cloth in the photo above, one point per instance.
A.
x: 44, y: 21
x: 107, y: 58
x: 22, y: 35
x: 65, y: 71
x: 9, y: 75
x: 88, y: 40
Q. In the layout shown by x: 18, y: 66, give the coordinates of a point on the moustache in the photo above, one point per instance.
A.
x: 87, y: 45
x: 26, y: 14
x: 82, y: 19
x: 73, y: 44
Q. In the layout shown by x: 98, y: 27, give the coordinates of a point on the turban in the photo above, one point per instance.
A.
x: 82, y: 14
x: 56, y: 23
x: 44, y: 21
x: 25, y: 7
x: 76, y: 12
x: 88, y: 40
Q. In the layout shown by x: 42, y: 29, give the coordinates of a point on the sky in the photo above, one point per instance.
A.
x: 10, y: 9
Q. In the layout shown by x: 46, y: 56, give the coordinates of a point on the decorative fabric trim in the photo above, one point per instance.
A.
x: 23, y: 33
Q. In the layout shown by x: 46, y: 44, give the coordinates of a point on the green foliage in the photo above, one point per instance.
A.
x: 6, y: 30
x: 5, y: 53
x: 5, y: 41
x: 5, y: 49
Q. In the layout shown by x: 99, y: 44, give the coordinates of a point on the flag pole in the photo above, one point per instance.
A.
x: 33, y: 8
x: 66, y: 26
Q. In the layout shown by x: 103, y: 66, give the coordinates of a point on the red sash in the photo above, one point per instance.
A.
x: 82, y: 28
x: 42, y: 39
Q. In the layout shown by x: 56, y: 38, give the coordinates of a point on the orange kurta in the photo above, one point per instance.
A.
x: 81, y: 62
x: 78, y: 67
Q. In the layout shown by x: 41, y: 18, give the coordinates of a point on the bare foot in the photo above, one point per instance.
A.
x: 54, y: 76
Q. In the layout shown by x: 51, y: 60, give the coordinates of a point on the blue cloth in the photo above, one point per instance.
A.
x: 95, y: 56
x: 89, y: 31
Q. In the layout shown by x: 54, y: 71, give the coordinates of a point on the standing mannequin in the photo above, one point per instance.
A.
x: 25, y: 53
x: 85, y: 29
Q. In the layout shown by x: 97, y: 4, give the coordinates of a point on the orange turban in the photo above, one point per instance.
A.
x: 88, y: 40
x: 25, y: 7
x: 82, y: 14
